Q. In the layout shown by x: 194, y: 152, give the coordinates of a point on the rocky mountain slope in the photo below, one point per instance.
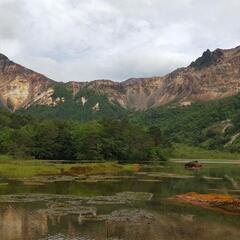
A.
x: 21, y: 87
x: 212, y: 76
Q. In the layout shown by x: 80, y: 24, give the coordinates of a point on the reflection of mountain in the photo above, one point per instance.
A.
x: 23, y: 224
x: 19, y: 224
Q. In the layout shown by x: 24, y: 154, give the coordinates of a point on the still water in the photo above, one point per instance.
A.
x: 102, y: 208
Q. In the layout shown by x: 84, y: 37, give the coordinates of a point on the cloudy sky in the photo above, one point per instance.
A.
x: 114, y: 39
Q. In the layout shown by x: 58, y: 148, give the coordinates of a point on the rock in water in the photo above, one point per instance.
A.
x: 193, y: 165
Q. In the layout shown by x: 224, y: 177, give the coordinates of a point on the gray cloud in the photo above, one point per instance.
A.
x: 92, y: 39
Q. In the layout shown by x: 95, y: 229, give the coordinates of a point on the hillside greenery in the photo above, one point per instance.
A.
x: 212, y: 125
x: 73, y: 130
x: 74, y: 109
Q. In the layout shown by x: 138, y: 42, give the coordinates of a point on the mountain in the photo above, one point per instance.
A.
x: 214, y: 75
x: 21, y: 87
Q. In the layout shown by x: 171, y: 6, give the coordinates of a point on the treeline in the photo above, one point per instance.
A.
x: 24, y: 136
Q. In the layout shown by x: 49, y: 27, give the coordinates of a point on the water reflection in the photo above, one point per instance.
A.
x: 17, y: 223
x: 144, y: 220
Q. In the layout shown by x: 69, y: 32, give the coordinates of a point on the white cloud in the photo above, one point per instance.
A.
x: 91, y: 39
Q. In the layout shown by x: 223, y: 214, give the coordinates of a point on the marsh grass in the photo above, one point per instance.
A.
x: 20, y: 168
x: 189, y: 152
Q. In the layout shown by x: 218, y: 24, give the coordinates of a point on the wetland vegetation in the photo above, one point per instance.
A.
x: 122, y: 202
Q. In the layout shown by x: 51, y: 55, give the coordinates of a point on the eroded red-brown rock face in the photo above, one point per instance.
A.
x: 20, y: 86
x: 212, y: 76
x: 226, y: 203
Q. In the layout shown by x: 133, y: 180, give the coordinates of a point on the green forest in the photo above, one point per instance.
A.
x: 74, y: 109
x: 210, y: 129
x: 212, y: 125
x: 25, y: 136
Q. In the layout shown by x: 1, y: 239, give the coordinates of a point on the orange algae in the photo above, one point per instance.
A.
x: 226, y: 203
x: 211, y: 197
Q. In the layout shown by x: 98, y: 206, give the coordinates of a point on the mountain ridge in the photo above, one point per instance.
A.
x: 214, y: 75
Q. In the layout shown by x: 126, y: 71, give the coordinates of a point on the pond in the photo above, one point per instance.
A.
x: 127, y: 207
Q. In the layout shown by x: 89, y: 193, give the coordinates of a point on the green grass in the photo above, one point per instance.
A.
x: 189, y: 152
x: 26, y: 168
x: 5, y: 158
x: 12, y: 168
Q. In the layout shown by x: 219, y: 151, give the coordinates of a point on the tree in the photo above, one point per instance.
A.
x: 53, y: 140
x: 87, y: 141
